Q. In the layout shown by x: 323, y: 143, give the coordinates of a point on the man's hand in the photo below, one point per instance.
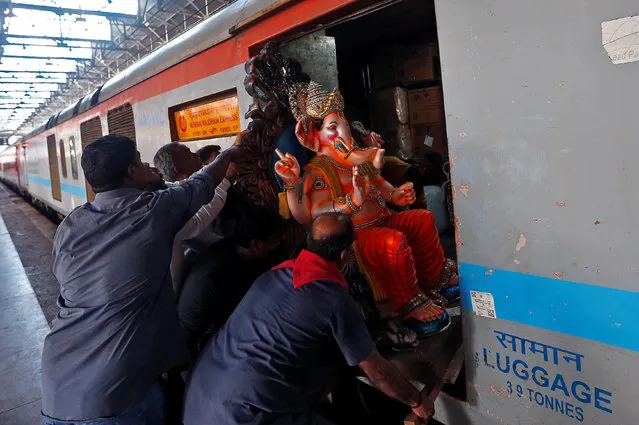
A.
x: 287, y: 167
x: 426, y: 409
x: 218, y: 169
x: 361, y: 188
x: 231, y: 170
x: 404, y: 195
x: 387, y: 378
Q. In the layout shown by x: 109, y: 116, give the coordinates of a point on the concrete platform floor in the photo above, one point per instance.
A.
x: 25, y: 260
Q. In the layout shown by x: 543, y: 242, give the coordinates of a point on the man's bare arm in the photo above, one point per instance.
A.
x: 388, y: 379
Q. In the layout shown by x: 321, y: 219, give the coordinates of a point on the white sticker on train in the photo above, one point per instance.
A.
x: 483, y: 304
x: 620, y: 38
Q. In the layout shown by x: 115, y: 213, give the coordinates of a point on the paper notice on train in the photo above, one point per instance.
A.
x: 428, y: 141
x: 620, y: 38
x: 483, y: 304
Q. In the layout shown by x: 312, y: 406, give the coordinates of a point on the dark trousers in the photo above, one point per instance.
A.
x: 150, y: 411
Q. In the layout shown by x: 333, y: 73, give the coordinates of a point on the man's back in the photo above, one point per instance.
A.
x: 277, y: 352
x: 117, y: 329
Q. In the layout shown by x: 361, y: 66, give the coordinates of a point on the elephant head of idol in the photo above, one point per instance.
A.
x: 323, y: 128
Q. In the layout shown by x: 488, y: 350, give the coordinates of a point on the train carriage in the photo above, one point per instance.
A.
x: 538, y: 120
x: 10, y: 167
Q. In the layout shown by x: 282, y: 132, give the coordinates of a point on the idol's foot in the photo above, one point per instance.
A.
x: 426, y: 320
x: 451, y: 291
x: 447, y: 291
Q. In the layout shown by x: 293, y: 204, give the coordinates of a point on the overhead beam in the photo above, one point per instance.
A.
x: 4, y: 94
x: 30, y: 81
x: 26, y: 71
x: 46, y: 58
x: 12, y: 94
x: 25, y: 91
x: 32, y: 78
x: 26, y: 45
x: 70, y: 11
x: 61, y: 38
x: 6, y: 102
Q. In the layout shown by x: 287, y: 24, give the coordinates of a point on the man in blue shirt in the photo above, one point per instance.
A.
x: 273, y: 360
x: 117, y: 330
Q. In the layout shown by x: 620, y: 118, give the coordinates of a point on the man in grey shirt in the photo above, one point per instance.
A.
x: 117, y: 330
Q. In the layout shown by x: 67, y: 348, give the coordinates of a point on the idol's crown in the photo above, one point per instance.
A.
x: 310, y: 100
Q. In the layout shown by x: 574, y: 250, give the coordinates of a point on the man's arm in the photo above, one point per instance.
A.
x: 205, y: 215
x: 358, y: 349
x: 216, y: 170
x: 179, y: 203
x: 388, y: 379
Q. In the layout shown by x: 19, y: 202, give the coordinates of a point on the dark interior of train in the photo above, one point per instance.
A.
x: 386, y: 64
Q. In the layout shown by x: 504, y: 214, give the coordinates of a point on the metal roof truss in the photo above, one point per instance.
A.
x: 44, y: 68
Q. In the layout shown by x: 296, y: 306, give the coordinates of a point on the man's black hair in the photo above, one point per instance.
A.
x: 165, y: 163
x: 331, y: 246
x: 106, y: 161
x: 208, y: 150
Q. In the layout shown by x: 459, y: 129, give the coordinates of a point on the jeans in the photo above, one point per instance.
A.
x: 149, y: 411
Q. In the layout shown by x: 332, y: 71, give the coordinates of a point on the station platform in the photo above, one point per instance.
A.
x: 25, y: 263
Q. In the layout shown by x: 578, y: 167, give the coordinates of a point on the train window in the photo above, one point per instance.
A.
x: 74, y: 158
x: 212, y: 116
x: 90, y: 130
x: 120, y: 121
x: 54, y: 171
x: 63, y: 159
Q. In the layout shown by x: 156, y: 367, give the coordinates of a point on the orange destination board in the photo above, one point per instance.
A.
x: 214, y: 119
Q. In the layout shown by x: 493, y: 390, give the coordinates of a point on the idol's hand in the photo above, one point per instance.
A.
x: 361, y: 188
x: 373, y: 140
x: 403, y: 195
x: 378, y: 160
x: 287, y: 167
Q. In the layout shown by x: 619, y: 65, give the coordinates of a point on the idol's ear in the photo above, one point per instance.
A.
x: 307, y: 134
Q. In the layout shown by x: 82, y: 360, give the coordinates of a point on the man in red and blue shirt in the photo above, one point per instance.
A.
x: 276, y: 355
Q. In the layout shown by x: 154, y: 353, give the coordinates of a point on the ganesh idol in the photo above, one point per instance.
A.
x: 399, y: 253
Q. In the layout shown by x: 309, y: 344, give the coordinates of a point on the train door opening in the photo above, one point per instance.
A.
x: 90, y: 130
x: 386, y: 65
x: 54, y: 171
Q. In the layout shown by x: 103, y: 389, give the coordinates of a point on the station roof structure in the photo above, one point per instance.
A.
x: 53, y: 52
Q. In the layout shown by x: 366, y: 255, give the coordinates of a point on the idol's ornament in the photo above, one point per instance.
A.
x: 399, y: 253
